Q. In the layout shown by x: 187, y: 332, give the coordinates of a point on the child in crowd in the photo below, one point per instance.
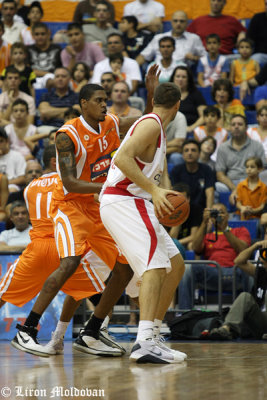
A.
x: 4, y: 51
x: 244, y: 68
x: 259, y: 132
x: 115, y: 62
x: 19, y: 61
x: 80, y: 75
x: 20, y: 130
x: 251, y: 192
x: 211, y: 117
x: 211, y: 66
x: 35, y: 15
x: 207, y: 148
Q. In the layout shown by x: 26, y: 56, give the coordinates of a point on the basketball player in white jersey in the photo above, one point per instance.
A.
x: 136, y: 171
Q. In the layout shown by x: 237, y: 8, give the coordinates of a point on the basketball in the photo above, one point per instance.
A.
x: 180, y: 212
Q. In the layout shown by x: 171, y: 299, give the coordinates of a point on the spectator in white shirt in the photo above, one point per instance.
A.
x: 148, y: 12
x: 12, y: 28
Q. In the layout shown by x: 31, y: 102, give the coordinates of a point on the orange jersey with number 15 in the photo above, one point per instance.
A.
x: 93, y: 152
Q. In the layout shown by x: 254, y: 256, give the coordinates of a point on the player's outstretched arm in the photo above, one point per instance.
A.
x: 67, y: 167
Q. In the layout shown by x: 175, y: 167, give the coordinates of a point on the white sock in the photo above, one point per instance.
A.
x: 156, y: 328
x: 105, y: 322
x: 61, y: 329
x: 145, y: 330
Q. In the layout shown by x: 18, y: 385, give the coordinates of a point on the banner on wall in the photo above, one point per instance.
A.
x: 10, y: 315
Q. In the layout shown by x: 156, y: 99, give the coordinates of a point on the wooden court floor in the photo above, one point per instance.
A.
x: 214, y: 371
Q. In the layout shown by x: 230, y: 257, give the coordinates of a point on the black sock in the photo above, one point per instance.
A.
x: 95, y: 299
x: 32, y: 319
x: 94, y: 324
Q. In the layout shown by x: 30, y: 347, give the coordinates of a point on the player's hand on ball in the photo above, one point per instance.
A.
x: 161, y: 203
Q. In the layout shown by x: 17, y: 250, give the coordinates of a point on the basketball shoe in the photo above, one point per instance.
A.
x: 109, y: 340
x: 160, y: 341
x: 89, y: 342
x: 148, y: 351
x: 26, y: 340
x: 55, y: 344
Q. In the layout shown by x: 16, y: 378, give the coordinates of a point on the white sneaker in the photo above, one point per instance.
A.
x: 26, y: 340
x: 147, y: 351
x: 109, y: 340
x: 160, y: 341
x: 89, y: 342
x: 55, y: 344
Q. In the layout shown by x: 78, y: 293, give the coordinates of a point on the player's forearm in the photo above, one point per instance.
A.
x: 75, y: 185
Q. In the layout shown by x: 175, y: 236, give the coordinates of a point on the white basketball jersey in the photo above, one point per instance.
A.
x: 118, y: 183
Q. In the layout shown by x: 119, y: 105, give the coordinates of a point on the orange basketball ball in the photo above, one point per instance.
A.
x: 180, y: 213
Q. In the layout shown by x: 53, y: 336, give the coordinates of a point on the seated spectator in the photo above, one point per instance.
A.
x: 12, y: 28
x: 252, y: 192
x: 69, y: 114
x: 129, y: 66
x: 107, y: 81
x: 228, y: 28
x: 20, y: 130
x: 185, y: 232
x: 4, y: 50
x: 54, y: 103
x: 207, y: 149
x: 134, y: 40
x: 115, y: 62
x: 85, y: 12
x: 257, y: 31
x: 12, y: 82
x: 198, y: 176
x: 211, y: 66
x: 247, y: 317
x: 79, y: 50
x: 101, y: 29
x: 12, y: 163
x: 120, y: 101
x: 223, y: 95
x: 166, y: 64
x: 193, y: 103
x: 149, y: 14
x: 19, y: 56
x: 259, y: 132
x: 35, y: 14
x: 80, y: 75
x: 3, y: 196
x: 188, y: 46
x: 44, y: 56
x: 211, y: 117
x: 244, y: 68
x: 232, y: 154
x: 16, y: 239
x: 223, y: 249
x: 176, y: 135
x: 260, y: 96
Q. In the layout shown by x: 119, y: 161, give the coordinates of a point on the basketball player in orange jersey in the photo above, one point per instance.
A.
x: 136, y: 173
x: 85, y: 146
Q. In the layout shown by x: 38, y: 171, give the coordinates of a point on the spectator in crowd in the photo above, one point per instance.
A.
x: 3, y: 196
x: 12, y: 163
x: 259, y: 132
x: 69, y: 114
x: 107, y: 81
x: 212, y: 65
x: 79, y: 50
x: 193, y: 103
x: 252, y: 192
x: 134, y: 40
x: 149, y: 14
x: 129, y: 66
x: 223, y: 249
x: 185, y: 232
x: 228, y: 28
x: 85, y: 12
x: 19, y: 61
x: 80, y: 75
x: 4, y: 49
x: 244, y: 68
x: 223, y: 95
x: 12, y: 28
x: 12, y: 93
x: 54, y: 103
x: 207, y: 149
x: 35, y: 14
x: 176, y: 135
x: 211, y: 117
x: 198, y: 176
x: 257, y: 31
x: 120, y: 101
x: 20, y: 130
x: 18, y: 238
x: 22, y: 12
x: 100, y: 31
x: 247, y: 317
x: 188, y: 46
x: 166, y: 64
x: 231, y: 156
x: 44, y: 56
x: 115, y: 62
